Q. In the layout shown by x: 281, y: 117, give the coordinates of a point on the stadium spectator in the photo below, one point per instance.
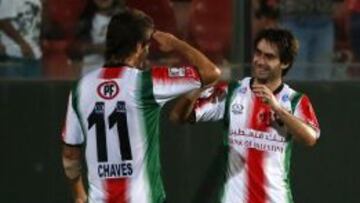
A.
x: 312, y: 23
x: 20, y: 23
x: 114, y: 111
x: 354, y: 27
x: 267, y: 13
x: 89, y: 44
x: 262, y: 118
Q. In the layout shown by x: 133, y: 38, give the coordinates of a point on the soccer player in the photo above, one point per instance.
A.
x: 114, y: 113
x: 262, y: 117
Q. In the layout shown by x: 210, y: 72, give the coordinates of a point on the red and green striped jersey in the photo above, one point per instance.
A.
x: 115, y: 113
x: 259, y: 146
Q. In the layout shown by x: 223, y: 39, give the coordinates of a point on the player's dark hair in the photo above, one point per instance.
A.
x: 125, y: 30
x: 285, y: 42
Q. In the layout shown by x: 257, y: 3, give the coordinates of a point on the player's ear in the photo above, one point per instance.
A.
x: 139, y: 47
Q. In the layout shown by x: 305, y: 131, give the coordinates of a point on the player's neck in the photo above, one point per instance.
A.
x: 271, y: 84
x: 106, y: 12
x: 131, y: 62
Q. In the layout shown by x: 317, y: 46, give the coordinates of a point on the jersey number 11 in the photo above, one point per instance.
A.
x: 118, y: 117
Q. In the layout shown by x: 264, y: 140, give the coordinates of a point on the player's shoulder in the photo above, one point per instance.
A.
x: 242, y: 85
x: 90, y: 76
x: 86, y: 80
x: 294, y: 94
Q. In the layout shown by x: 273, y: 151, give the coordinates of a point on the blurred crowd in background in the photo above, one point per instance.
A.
x: 64, y: 39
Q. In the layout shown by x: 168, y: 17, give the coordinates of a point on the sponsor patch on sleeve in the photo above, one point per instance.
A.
x: 177, y: 72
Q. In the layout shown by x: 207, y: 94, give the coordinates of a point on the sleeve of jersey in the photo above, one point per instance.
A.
x: 211, y: 104
x: 306, y: 113
x: 170, y: 82
x: 71, y: 132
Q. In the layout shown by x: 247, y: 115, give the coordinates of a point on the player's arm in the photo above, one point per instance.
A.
x: 301, y: 131
x: 206, y: 104
x: 71, y: 156
x: 9, y: 30
x: 183, y: 111
x: 208, y: 71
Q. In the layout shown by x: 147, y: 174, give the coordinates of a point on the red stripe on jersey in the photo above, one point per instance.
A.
x: 160, y: 73
x: 256, y: 176
x: 260, y: 118
x: 116, y: 190
x: 308, y: 112
x: 109, y: 73
x: 172, y: 74
x: 261, y: 115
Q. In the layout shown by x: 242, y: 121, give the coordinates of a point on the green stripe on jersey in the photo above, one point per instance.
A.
x: 232, y: 86
x: 75, y: 106
x: 287, y: 171
x: 151, y: 115
x: 294, y: 102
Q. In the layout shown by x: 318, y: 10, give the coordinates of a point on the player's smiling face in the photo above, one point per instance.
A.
x: 266, y: 64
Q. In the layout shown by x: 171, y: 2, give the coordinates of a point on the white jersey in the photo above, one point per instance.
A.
x: 25, y: 16
x: 115, y: 113
x: 258, y: 145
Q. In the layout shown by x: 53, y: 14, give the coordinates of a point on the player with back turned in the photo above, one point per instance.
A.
x: 113, y: 112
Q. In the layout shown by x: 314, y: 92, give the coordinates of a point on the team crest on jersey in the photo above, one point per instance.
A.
x: 243, y: 90
x: 177, y: 72
x: 108, y: 90
x: 285, y: 98
x: 237, y: 108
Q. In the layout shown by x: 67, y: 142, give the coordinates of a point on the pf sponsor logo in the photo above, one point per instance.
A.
x: 108, y: 90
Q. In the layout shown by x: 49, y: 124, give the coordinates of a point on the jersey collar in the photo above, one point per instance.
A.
x: 276, y: 91
x: 115, y: 65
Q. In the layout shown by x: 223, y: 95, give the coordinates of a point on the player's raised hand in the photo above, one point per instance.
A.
x: 167, y: 42
x: 266, y: 95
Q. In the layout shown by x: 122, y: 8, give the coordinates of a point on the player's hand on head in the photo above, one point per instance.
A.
x: 166, y: 41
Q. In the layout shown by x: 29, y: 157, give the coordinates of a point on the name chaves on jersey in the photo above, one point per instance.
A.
x: 115, y: 113
x: 259, y: 146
